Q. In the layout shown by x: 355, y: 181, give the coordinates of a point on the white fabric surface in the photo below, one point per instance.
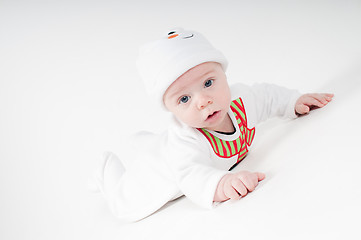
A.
x: 67, y: 76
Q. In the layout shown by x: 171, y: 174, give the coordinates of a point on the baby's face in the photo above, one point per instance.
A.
x: 200, y: 97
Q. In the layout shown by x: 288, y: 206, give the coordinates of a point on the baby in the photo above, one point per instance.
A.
x: 212, y: 129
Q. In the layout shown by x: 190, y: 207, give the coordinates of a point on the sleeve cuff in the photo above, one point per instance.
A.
x: 209, y: 204
x: 290, y: 109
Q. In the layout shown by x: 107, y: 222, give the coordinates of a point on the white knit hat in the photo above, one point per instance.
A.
x: 162, y: 61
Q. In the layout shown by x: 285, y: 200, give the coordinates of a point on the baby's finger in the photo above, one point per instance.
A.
x: 260, y: 176
x: 322, y: 98
x: 329, y: 96
x: 312, y: 101
x: 239, y: 187
x: 249, y: 181
x: 230, y: 192
x: 302, y: 109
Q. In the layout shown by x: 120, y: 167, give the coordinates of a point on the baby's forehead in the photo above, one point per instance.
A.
x: 200, y: 71
x: 194, y: 75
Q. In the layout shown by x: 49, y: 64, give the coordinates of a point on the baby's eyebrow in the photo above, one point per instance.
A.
x: 205, y: 75
x: 176, y: 93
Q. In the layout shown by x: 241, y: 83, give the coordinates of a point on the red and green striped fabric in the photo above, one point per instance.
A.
x: 227, y: 149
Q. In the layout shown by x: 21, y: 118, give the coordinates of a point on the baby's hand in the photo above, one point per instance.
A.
x: 234, y: 185
x: 305, y: 103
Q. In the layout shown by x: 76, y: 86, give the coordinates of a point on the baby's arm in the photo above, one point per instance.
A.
x: 305, y: 103
x: 234, y: 185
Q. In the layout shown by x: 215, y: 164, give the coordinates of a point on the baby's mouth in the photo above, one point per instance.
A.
x: 213, y: 115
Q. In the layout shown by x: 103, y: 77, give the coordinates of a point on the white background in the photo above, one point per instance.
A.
x: 69, y: 90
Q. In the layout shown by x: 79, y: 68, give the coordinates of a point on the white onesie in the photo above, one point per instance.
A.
x: 191, y: 162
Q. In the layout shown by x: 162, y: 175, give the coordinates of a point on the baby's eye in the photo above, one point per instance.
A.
x: 208, y: 83
x: 184, y: 99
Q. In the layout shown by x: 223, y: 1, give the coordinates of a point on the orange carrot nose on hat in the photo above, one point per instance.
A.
x: 162, y: 61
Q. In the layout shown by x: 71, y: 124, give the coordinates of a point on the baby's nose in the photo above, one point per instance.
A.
x: 203, y: 103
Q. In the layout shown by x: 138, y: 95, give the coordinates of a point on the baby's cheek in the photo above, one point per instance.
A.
x: 193, y: 120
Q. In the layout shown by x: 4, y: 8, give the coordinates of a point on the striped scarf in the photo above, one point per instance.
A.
x: 227, y: 149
